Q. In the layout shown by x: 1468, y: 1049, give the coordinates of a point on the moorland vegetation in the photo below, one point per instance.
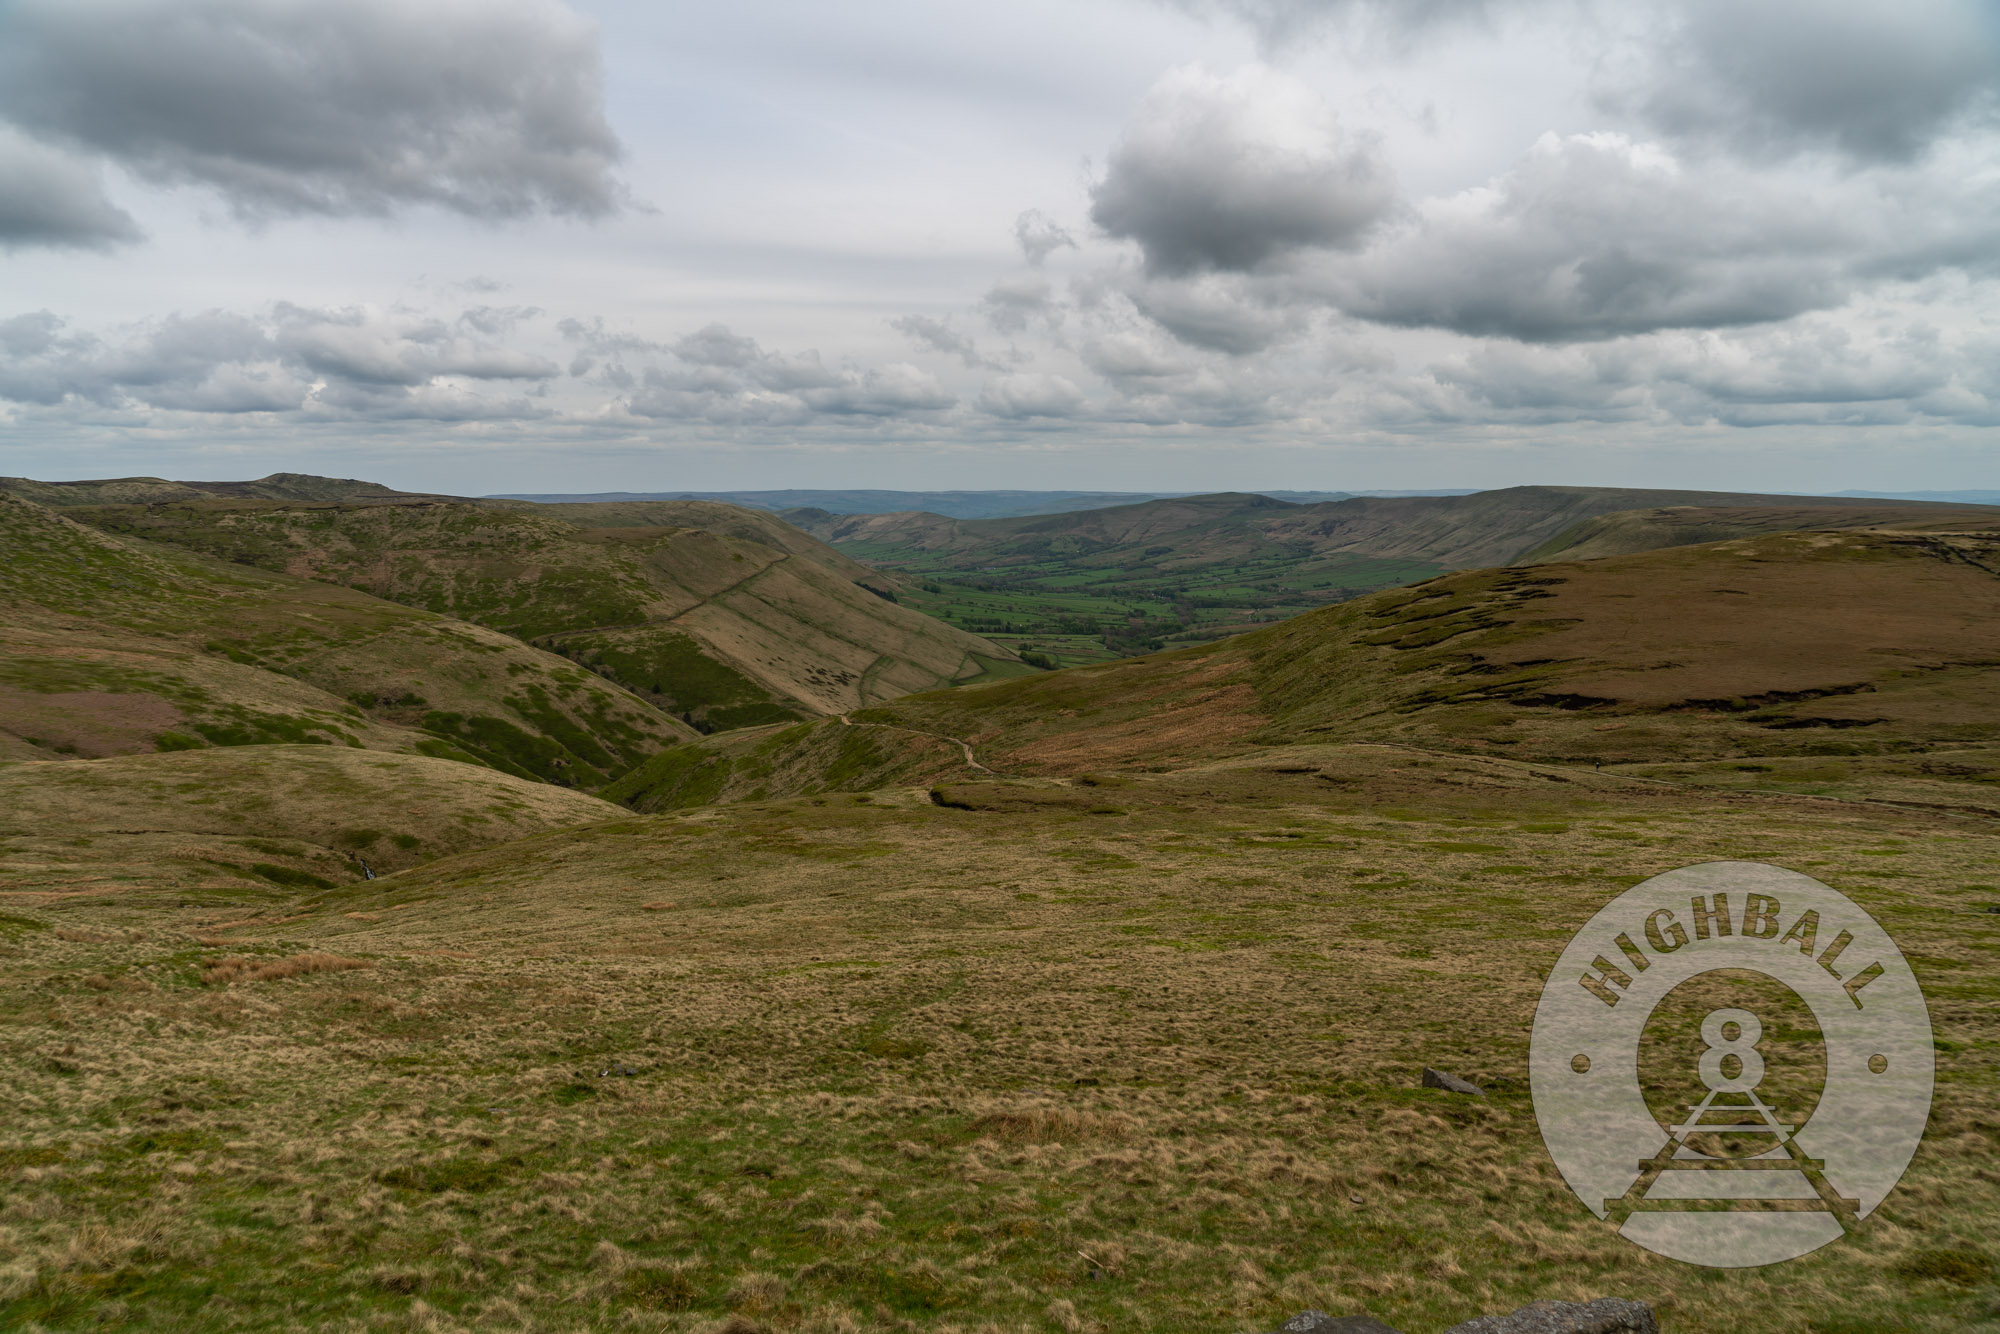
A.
x: 1064, y: 1001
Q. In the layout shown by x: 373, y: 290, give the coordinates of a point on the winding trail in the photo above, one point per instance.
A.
x: 971, y: 760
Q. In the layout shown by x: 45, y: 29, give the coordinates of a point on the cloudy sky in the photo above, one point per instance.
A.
x: 485, y: 245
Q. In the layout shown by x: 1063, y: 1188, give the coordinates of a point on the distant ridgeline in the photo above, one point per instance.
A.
x: 1092, y: 584
x: 952, y: 504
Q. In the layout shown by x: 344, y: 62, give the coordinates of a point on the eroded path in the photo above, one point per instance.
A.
x: 971, y: 760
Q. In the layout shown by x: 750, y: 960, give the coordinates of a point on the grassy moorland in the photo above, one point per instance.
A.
x: 1133, y: 1052
x: 1086, y: 1001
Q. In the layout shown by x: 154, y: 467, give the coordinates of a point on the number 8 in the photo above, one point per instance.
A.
x: 1722, y: 1044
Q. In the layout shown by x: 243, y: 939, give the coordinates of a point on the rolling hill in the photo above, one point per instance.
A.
x: 1627, y: 532
x: 112, y: 646
x: 958, y: 504
x: 1789, y: 644
x: 229, y: 824
x: 1089, y: 1000
x: 157, y: 490
x: 719, y: 616
x: 1192, y: 569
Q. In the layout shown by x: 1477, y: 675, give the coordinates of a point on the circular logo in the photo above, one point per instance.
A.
x: 1732, y: 1063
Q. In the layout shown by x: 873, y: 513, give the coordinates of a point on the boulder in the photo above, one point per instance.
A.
x: 1606, y: 1315
x: 1319, y: 1322
x: 1438, y: 1079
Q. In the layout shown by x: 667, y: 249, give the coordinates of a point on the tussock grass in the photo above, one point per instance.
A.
x: 896, y: 1067
x: 222, y: 972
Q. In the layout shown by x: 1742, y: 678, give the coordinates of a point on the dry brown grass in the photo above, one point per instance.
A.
x: 222, y: 972
x: 892, y: 1066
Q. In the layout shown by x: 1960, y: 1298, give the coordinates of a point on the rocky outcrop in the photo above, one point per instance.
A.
x: 1606, y: 1315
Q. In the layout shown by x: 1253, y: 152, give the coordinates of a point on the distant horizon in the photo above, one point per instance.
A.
x: 1947, y: 495
x: 1301, y: 244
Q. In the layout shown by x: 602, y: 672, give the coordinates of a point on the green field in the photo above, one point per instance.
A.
x: 1076, y: 613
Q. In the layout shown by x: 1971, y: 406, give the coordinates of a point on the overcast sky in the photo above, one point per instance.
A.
x: 486, y: 245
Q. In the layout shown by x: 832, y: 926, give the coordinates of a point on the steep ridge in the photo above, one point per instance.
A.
x: 718, y: 628
x: 1791, y: 644
x: 113, y: 646
x: 745, y: 525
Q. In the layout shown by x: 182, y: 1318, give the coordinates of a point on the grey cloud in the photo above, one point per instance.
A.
x: 289, y: 358
x: 29, y: 335
x: 1012, y: 304
x: 1232, y: 173
x: 1039, y: 236
x: 426, y: 402
x: 1592, y: 236
x: 356, y: 346
x: 1031, y: 395
x: 165, y: 362
x: 1133, y: 362
x: 939, y: 336
x: 722, y: 377
x: 50, y: 199
x: 715, y: 345
x: 716, y: 348
x: 887, y: 391
x: 498, y: 321
x: 1221, y: 312
x: 493, y: 108
x: 727, y: 378
x: 1813, y: 372
x: 1279, y: 23
x: 1875, y: 79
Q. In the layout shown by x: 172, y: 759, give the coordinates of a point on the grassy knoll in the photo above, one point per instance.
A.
x: 231, y: 821
x: 1136, y: 1052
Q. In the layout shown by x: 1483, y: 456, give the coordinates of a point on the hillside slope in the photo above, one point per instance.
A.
x: 231, y: 822
x: 746, y: 525
x: 1485, y: 528
x: 113, y: 646
x: 1192, y: 569
x: 1792, y: 644
x: 713, y: 626
x: 1627, y: 532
